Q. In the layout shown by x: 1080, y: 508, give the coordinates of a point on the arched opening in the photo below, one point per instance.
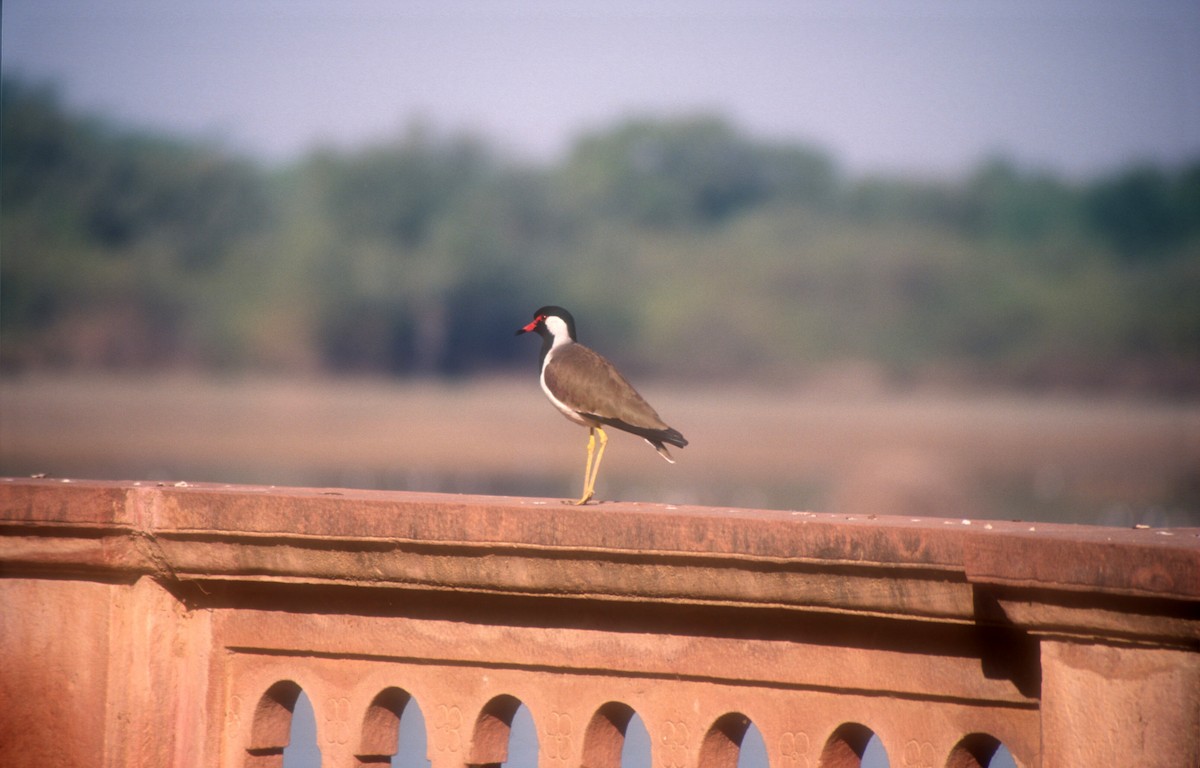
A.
x: 853, y: 745
x: 753, y: 753
x: 393, y: 731
x: 522, y: 740
x: 615, y: 738
x: 271, y: 725
x: 980, y: 750
x: 636, y: 751
x: 412, y: 749
x: 722, y: 745
x: 504, y: 726
x: 875, y: 756
x: 1002, y: 758
x: 302, y: 750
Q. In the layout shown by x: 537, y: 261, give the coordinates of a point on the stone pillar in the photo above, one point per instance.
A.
x: 1103, y: 704
x: 158, y: 679
x: 54, y: 642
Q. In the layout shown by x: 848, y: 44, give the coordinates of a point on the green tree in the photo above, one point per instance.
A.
x: 689, y: 171
x: 112, y: 240
x: 427, y: 239
x: 1004, y: 203
x: 1137, y: 211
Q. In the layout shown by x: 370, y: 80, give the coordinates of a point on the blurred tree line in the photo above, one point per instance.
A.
x: 683, y: 245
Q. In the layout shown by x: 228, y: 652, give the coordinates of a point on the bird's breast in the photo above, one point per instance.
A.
x: 566, y: 409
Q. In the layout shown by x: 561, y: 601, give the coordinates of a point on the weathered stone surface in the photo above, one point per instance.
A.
x: 159, y: 625
x: 1114, y: 701
x: 54, y: 678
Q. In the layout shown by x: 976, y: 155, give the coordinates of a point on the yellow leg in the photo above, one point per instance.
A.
x: 591, y: 489
x: 587, y: 469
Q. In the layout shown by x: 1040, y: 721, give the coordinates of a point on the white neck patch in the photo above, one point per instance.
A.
x: 558, y: 330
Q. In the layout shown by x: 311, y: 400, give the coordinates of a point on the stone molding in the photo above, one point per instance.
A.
x: 158, y: 624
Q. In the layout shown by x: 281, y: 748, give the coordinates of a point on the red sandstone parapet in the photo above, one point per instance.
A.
x: 195, y: 615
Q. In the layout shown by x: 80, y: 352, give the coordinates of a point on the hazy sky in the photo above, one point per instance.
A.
x: 900, y: 86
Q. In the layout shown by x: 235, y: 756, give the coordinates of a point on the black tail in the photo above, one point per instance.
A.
x: 655, y: 436
x: 672, y: 436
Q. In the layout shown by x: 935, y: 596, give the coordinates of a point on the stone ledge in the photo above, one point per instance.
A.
x: 1066, y: 579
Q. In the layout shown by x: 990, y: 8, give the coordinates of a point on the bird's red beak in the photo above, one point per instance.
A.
x: 531, y: 326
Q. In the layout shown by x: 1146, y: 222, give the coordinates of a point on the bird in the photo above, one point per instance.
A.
x: 590, y: 391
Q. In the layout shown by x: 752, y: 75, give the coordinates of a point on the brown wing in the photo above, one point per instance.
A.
x: 585, y: 381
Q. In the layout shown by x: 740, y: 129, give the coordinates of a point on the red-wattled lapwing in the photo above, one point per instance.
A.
x: 590, y: 391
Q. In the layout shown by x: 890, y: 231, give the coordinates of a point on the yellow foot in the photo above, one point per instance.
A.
x: 581, y: 501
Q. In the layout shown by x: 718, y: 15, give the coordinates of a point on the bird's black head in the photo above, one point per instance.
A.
x: 538, y: 325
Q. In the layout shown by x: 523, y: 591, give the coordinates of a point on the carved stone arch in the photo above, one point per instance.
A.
x: 381, y: 724
x: 723, y: 742
x: 271, y: 728
x: 489, y: 741
x: 846, y: 746
x: 975, y: 750
x: 604, y: 738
